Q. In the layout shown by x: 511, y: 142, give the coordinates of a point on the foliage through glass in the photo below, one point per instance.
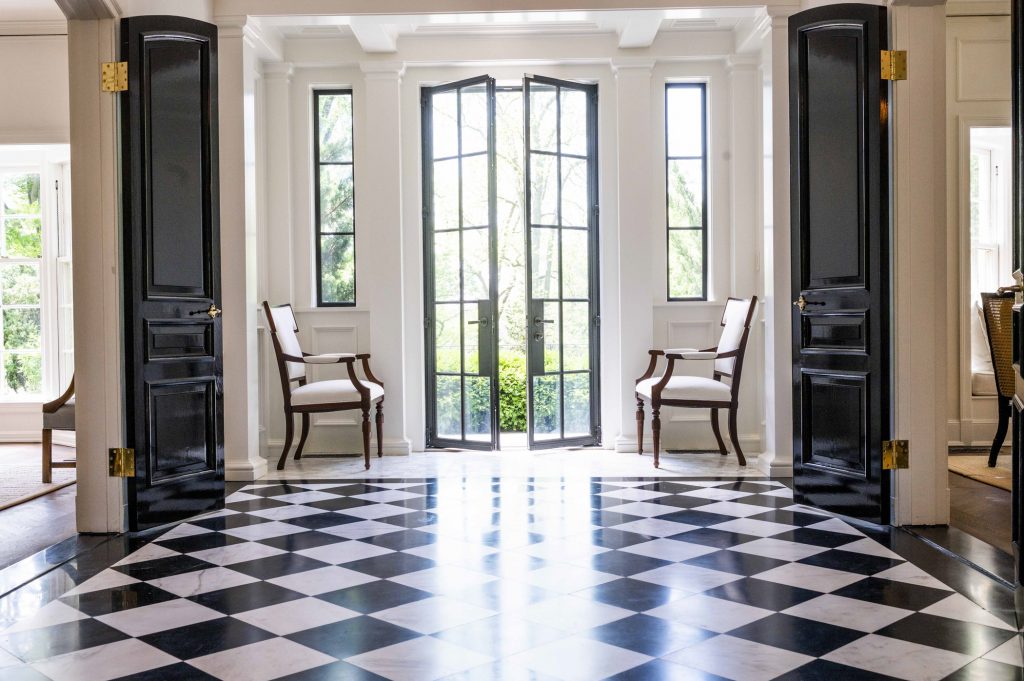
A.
x: 686, y: 189
x: 335, y: 198
x: 20, y: 259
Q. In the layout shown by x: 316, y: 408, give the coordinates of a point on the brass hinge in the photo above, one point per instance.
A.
x: 114, y: 76
x: 894, y: 64
x: 895, y: 454
x: 122, y: 462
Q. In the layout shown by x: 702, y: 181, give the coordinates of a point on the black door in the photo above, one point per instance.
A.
x: 460, y: 260
x: 1017, y: 121
x: 840, y: 258
x: 173, y: 354
x: 561, y: 265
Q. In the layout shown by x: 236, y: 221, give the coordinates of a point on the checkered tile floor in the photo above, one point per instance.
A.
x: 511, y: 579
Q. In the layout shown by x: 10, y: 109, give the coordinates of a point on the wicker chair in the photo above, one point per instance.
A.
x: 998, y: 312
x: 57, y: 415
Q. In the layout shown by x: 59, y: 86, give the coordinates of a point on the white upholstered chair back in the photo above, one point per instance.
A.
x: 735, y: 322
x: 285, y: 328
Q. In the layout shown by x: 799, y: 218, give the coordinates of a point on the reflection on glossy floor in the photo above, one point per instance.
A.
x: 507, y: 578
x: 569, y: 463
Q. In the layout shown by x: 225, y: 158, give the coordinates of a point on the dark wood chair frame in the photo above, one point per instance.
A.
x: 364, y: 403
x: 1000, y: 350
x: 50, y: 408
x: 732, y: 405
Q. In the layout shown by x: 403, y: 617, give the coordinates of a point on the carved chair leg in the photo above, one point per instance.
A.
x: 302, y: 438
x: 289, y: 433
x: 366, y: 435
x: 656, y: 428
x: 640, y: 427
x: 735, y: 439
x: 1005, y: 410
x: 380, y: 428
x: 718, y: 433
x: 47, y: 456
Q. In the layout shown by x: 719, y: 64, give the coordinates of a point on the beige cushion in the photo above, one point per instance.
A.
x: 63, y: 418
x: 330, y: 392
x: 695, y: 388
x: 284, y: 325
x: 983, y: 383
x: 734, y: 320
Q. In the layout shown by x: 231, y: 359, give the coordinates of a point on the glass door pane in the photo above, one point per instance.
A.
x: 561, y: 236
x: 461, y: 264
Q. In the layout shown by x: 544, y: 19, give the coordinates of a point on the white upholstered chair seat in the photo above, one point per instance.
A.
x: 331, y: 392
x: 696, y: 388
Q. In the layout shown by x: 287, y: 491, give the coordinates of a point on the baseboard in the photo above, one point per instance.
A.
x: 767, y: 463
x: 245, y: 470
x: 393, y: 446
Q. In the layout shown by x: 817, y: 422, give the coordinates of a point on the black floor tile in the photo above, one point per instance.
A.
x: 338, y: 671
x: 277, y: 566
x: 823, y: 670
x: 737, y: 563
x: 163, y: 567
x: 949, y: 634
x: 848, y: 561
x: 896, y: 594
x: 649, y: 635
x: 38, y: 644
x: 302, y: 540
x: 375, y: 596
x: 105, y: 601
x: 720, y: 539
x: 762, y: 594
x: 246, y: 597
x: 390, y: 565
x: 797, y: 634
x: 631, y: 594
x: 624, y: 564
x: 987, y: 670
x: 205, y: 638
x: 352, y: 636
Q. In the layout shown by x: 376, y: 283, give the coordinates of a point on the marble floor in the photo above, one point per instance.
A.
x: 511, y: 577
x: 559, y: 463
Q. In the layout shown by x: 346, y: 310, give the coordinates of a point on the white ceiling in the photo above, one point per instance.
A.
x: 634, y: 28
x: 30, y: 10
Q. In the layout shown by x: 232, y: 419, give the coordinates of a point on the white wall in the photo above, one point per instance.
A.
x: 33, y: 111
x: 977, y: 94
x: 34, y: 83
x: 286, y: 248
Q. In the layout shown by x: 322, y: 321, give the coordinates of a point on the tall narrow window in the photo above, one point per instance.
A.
x: 686, y: 168
x: 21, y: 251
x: 334, y: 198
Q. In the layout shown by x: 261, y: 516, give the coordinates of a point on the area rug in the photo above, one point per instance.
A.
x: 21, y: 474
x: 976, y: 467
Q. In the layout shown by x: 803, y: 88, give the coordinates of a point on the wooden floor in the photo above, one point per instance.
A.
x: 980, y: 510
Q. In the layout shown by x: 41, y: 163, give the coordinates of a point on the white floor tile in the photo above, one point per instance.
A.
x: 108, y: 579
x: 322, y: 580
x: 264, y: 531
x: 344, y: 552
x: 147, y: 552
x: 149, y: 619
x: 578, y: 659
x: 105, y: 662
x: 653, y: 527
x: 810, y: 577
x: 848, y: 612
x: 959, y: 607
x: 571, y: 614
x: 712, y: 614
x: 565, y: 578
x: 261, y: 661
x: 716, y: 493
x: 911, y: 574
x: 687, y: 578
x: 431, y: 615
x: 237, y: 553
x: 755, y: 528
x: 50, y: 614
x: 292, y: 616
x: 1007, y: 653
x: 901, y: 659
x: 778, y: 549
x: 736, y: 658
x: 202, y: 581
x: 419, y: 659
x: 669, y: 549
x: 362, y: 529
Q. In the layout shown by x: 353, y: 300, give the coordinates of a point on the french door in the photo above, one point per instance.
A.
x: 557, y: 180
x: 460, y: 247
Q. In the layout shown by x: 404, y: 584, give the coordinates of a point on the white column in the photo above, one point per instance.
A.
x: 777, y: 458
x: 238, y: 224
x: 919, y: 264
x: 634, y: 153
x: 100, y: 502
x: 276, y: 268
x: 379, y: 240
x: 744, y: 178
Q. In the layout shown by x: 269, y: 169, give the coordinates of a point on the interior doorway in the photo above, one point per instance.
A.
x: 510, y: 222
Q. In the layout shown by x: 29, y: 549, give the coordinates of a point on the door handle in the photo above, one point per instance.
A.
x: 482, y: 322
x: 802, y: 302
x: 538, y: 337
x: 538, y: 320
x: 213, y: 311
x: 1016, y: 288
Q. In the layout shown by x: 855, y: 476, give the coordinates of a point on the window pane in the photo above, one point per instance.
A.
x: 547, y: 407
x: 337, y: 269
x: 575, y: 197
x: 446, y: 194
x: 544, y: 262
x: 475, y: 185
x: 474, y: 120
x: 446, y: 266
x: 449, y: 407
x: 22, y: 373
x: 335, y: 199
x: 685, y: 194
x: 335, y: 127
x: 543, y: 189
x: 684, y: 121
x: 685, y: 263
x: 543, y: 118
x: 574, y: 122
x: 478, y: 408
x: 19, y: 284
x: 575, y: 264
x: 21, y: 194
x: 444, y: 123
x: 476, y: 264
x: 446, y: 339
x: 21, y: 329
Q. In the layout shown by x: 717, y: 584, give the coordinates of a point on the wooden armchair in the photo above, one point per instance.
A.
x: 304, y: 397
x: 698, y: 392
x: 997, y: 309
x: 57, y: 415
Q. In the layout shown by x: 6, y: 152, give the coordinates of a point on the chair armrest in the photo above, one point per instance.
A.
x: 692, y: 354
x: 680, y: 351
x: 51, y: 407
x: 328, y: 358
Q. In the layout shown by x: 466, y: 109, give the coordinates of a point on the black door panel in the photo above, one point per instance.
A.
x: 840, y: 233
x: 173, y: 352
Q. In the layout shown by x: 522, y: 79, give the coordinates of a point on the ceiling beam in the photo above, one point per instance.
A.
x: 374, y: 36
x: 639, y: 31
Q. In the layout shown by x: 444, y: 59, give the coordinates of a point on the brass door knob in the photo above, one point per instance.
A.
x: 214, y: 312
x: 802, y: 302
